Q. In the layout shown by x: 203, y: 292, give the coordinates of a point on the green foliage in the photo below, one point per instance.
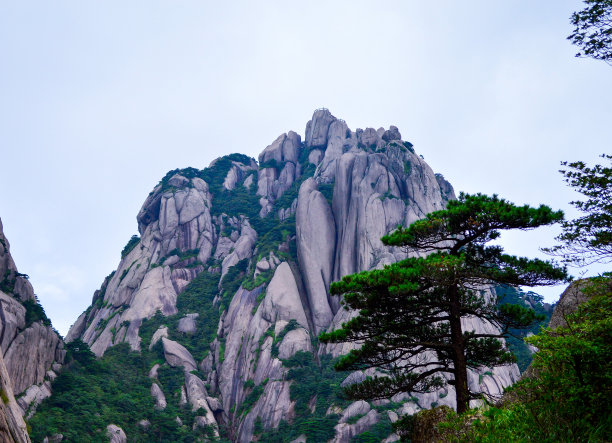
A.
x: 116, y: 387
x: 272, y: 163
x: 261, y: 279
x: 250, y: 400
x: 327, y: 189
x: 354, y: 419
x: 293, y: 324
x: 285, y: 200
x: 125, y: 271
x: 198, y: 297
x: 171, y: 379
x: 238, y: 201
x: 7, y: 284
x: 34, y: 313
x: 377, y: 433
x: 409, y: 146
x: 593, y: 30
x: 407, y: 167
x: 416, y: 305
x: 182, y: 255
x: 516, y: 336
x: 273, y: 235
x: 568, y: 396
x: 313, y: 384
x: 89, y: 394
x: 131, y: 244
x: 588, y: 239
x: 4, y: 397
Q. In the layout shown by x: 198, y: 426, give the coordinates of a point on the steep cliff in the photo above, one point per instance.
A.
x: 31, y: 349
x: 12, y: 426
x: 229, y: 283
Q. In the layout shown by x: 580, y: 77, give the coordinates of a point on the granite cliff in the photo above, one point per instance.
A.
x: 31, y: 351
x: 229, y: 280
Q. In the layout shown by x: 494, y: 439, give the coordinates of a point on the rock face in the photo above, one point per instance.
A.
x: 115, y: 434
x: 29, y: 348
x: 247, y: 252
x: 12, y: 426
x: 569, y: 301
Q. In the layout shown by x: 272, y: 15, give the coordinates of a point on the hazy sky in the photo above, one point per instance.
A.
x: 98, y: 100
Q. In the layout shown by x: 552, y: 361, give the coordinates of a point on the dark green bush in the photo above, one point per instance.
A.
x: 131, y: 244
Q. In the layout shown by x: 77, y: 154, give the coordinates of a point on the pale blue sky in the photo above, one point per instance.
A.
x: 100, y: 99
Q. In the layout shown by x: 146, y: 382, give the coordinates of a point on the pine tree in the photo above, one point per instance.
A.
x: 588, y: 239
x: 417, y: 305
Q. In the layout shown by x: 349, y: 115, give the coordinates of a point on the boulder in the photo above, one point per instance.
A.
x: 317, y: 128
x: 144, y: 423
x: 115, y: 434
x: 294, y: 341
x: 161, y: 332
x: 32, y: 397
x: 153, y: 371
x: 359, y: 407
x: 391, y: 134
x: 187, y: 324
x: 176, y: 355
x: 197, y: 397
x: 158, y: 396
x: 346, y: 431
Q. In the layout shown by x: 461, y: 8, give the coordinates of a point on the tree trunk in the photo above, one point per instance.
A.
x: 458, y: 346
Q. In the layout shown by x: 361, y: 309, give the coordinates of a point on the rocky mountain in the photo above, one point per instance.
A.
x: 32, y: 351
x: 226, y: 288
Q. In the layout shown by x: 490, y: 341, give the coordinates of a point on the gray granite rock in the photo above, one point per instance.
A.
x: 176, y: 355
x: 294, y: 341
x: 161, y: 332
x: 282, y: 301
x: 318, y: 127
x: 158, y: 396
x: 115, y: 434
x: 316, y: 238
x: 12, y: 425
x: 187, y: 324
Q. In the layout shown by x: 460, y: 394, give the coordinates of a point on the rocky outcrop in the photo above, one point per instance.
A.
x: 31, y: 355
x: 12, y: 426
x: 316, y: 241
x: 197, y: 398
x: 187, y: 324
x: 11, y: 281
x: 258, y: 247
x: 177, y: 239
x: 346, y: 431
x: 568, y: 303
x: 115, y: 434
x: 158, y: 396
x: 177, y: 356
x: 29, y: 345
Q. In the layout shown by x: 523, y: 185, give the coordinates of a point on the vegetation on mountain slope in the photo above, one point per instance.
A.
x: 417, y: 304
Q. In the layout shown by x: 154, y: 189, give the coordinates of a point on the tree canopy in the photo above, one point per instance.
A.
x: 593, y: 30
x: 410, y: 313
x: 588, y: 239
x: 567, y: 395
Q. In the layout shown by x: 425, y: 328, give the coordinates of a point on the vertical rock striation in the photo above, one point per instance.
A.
x: 260, y: 245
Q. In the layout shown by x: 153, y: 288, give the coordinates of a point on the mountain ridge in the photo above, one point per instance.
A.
x: 230, y: 277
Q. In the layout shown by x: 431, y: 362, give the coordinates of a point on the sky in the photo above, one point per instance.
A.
x: 99, y: 99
